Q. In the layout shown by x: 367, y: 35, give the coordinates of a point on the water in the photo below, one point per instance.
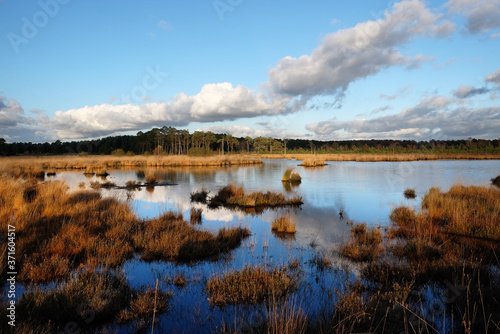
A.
x: 363, y: 191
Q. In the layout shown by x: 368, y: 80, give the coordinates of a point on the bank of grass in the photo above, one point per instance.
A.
x: 58, y: 231
x: 365, y: 244
x: 234, y: 196
x: 356, y: 156
x: 250, y: 285
x: 284, y: 224
x: 87, y: 301
x: 452, y: 243
x: 313, y: 162
x: 290, y: 177
x: 91, y: 164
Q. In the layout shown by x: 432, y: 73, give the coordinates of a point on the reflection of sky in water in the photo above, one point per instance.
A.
x: 365, y: 191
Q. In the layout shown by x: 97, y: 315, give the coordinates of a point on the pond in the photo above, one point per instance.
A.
x: 362, y: 191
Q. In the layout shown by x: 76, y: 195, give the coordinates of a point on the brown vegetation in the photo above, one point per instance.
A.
x: 250, y: 285
x: 233, y: 196
x: 283, y: 224
x: 365, y: 244
x: 455, y: 238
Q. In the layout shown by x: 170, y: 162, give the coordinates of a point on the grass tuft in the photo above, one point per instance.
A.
x: 284, y: 224
x: 410, y: 193
x: 250, y: 285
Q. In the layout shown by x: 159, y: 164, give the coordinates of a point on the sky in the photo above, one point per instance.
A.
x: 323, y: 69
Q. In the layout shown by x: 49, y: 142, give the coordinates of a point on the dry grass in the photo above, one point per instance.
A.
x: 453, y: 239
x: 284, y: 224
x: 88, y: 300
x: 170, y: 238
x: 291, y: 177
x: 385, y: 156
x: 195, y: 215
x: 234, y: 196
x: 410, y: 193
x: 32, y: 165
x: 250, y: 285
x: 313, y: 162
x: 58, y: 231
x: 365, y: 244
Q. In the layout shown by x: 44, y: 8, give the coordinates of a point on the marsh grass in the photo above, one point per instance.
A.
x: 199, y: 196
x: 195, y: 215
x: 250, y: 285
x: 313, y: 162
x: 88, y: 300
x: 496, y: 181
x: 170, y: 238
x: 284, y: 224
x: 58, y: 231
x: 234, y: 196
x: 410, y: 193
x: 290, y: 176
x: 365, y: 244
x: 454, y: 238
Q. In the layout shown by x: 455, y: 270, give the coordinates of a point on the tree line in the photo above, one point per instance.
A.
x: 169, y: 140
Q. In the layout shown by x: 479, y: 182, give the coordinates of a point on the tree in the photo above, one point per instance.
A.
x: 248, y: 139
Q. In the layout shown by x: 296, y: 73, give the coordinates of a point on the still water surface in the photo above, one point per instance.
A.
x: 363, y: 191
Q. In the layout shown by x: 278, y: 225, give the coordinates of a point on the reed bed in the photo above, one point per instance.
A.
x: 284, y: 224
x: 291, y: 177
x: 58, y: 231
x: 454, y: 238
x: 373, y: 157
x: 92, y: 164
x: 313, y: 162
x: 234, y: 196
x: 410, y: 193
x: 365, y: 244
x: 250, y: 285
x: 88, y: 300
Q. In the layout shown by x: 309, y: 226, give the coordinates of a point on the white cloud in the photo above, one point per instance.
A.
x: 11, y: 113
x: 215, y: 102
x: 431, y: 118
x: 164, y: 25
x: 494, y: 78
x: 350, y: 54
x: 482, y: 15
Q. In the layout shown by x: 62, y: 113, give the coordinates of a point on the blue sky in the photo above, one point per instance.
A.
x: 326, y: 70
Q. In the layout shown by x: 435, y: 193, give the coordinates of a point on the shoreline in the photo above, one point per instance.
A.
x: 69, y: 162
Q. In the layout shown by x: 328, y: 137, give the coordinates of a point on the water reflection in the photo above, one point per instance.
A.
x: 333, y: 196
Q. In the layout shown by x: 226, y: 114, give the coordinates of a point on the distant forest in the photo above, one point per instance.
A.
x: 169, y: 140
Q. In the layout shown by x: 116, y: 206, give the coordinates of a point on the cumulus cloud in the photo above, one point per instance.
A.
x: 11, y: 113
x: 215, y: 102
x: 431, y: 118
x: 464, y: 92
x: 482, y: 15
x: 494, y: 78
x: 350, y: 54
